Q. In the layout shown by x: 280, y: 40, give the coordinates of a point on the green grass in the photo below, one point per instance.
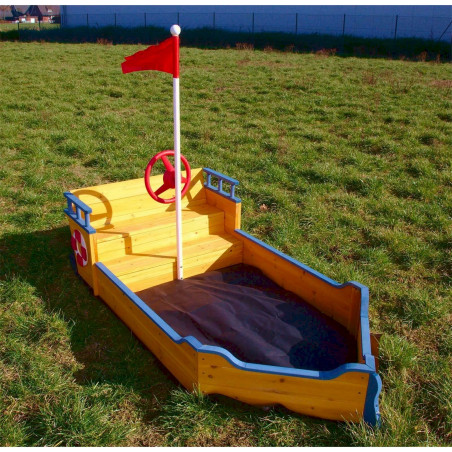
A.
x: 8, y: 26
x: 344, y: 164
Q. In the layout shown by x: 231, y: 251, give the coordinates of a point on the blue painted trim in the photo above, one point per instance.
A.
x: 80, y: 206
x: 221, y: 176
x: 371, y: 410
x: 366, y: 348
x: 89, y: 229
x: 371, y: 406
x: 364, y: 305
x: 293, y: 261
x: 200, y: 348
x: 221, y: 179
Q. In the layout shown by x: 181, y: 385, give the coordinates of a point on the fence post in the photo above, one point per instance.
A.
x: 214, y: 21
x: 39, y: 24
x: 253, y: 25
x: 296, y: 23
x: 442, y: 34
x: 343, y: 27
x: 87, y: 20
x: 396, y: 23
x: 115, y: 20
x: 144, y: 20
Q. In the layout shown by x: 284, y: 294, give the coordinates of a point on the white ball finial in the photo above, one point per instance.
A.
x: 175, y: 30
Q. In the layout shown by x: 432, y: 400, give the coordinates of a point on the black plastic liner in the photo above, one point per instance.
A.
x: 245, y: 312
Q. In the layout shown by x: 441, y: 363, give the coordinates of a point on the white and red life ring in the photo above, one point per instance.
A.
x: 79, y: 246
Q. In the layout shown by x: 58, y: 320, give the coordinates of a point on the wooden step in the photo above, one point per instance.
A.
x: 121, y: 201
x: 167, y: 254
x: 156, y: 266
x: 137, y: 235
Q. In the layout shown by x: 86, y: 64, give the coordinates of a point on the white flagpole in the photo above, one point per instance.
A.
x: 175, y: 31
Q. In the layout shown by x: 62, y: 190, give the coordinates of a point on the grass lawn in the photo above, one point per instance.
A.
x: 344, y: 164
x: 27, y: 26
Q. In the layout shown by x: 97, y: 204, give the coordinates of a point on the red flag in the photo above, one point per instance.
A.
x: 163, y: 57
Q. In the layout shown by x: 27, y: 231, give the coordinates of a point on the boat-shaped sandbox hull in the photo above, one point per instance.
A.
x: 124, y: 244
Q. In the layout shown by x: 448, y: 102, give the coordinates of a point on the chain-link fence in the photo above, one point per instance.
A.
x: 369, y: 26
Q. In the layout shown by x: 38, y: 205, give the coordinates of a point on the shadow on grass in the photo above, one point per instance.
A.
x: 109, y: 352
x: 415, y: 49
x: 101, y: 343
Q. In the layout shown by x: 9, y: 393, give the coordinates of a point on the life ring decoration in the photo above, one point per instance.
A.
x: 169, y: 177
x: 79, y: 246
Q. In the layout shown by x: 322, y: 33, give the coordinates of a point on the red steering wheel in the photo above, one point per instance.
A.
x: 169, y: 177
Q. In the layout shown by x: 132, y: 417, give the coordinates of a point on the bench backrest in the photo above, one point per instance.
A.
x: 120, y: 201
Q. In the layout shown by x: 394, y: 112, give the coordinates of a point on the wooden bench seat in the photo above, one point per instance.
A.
x: 135, y: 235
x: 128, y: 201
x: 157, y: 264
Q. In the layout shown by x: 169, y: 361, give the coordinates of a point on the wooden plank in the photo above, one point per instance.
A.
x: 337, y: 399
x: 128, y: 197
x: 160, y: 228
x: 167, y: 254
x: 159, y: 275
x: 179, y: 359
x: 123, y: 209
x: 154, y: 221
x: 132, y: 187
x: 232, y: 210
x: 136, y: 224
x: 342, y: 304
x: 142, y: 243
x: 103, y: 220
x: 206, y: 259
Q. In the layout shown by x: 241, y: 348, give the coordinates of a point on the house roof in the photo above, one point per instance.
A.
x: 50, y: 10
x: 17, y: 10
x: 38, y: 10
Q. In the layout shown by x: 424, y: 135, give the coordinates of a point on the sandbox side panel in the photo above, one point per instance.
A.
x: 341, y: 398
x: 340, y: 303
x: 232, y: 209
x: 179, y: 359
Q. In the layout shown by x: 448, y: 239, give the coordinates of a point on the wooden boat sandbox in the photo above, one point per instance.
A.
x: 247, y: 322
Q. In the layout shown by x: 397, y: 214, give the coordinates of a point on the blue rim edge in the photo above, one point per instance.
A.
x: 371, y: 407
x: 364, y: 308
x: 71, y: 198
x: 228, y: 179
x: 371, y: 410
x: 233, y: 182
x: 73, y: 216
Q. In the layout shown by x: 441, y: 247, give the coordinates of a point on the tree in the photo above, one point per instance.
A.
x: 4, y: 11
